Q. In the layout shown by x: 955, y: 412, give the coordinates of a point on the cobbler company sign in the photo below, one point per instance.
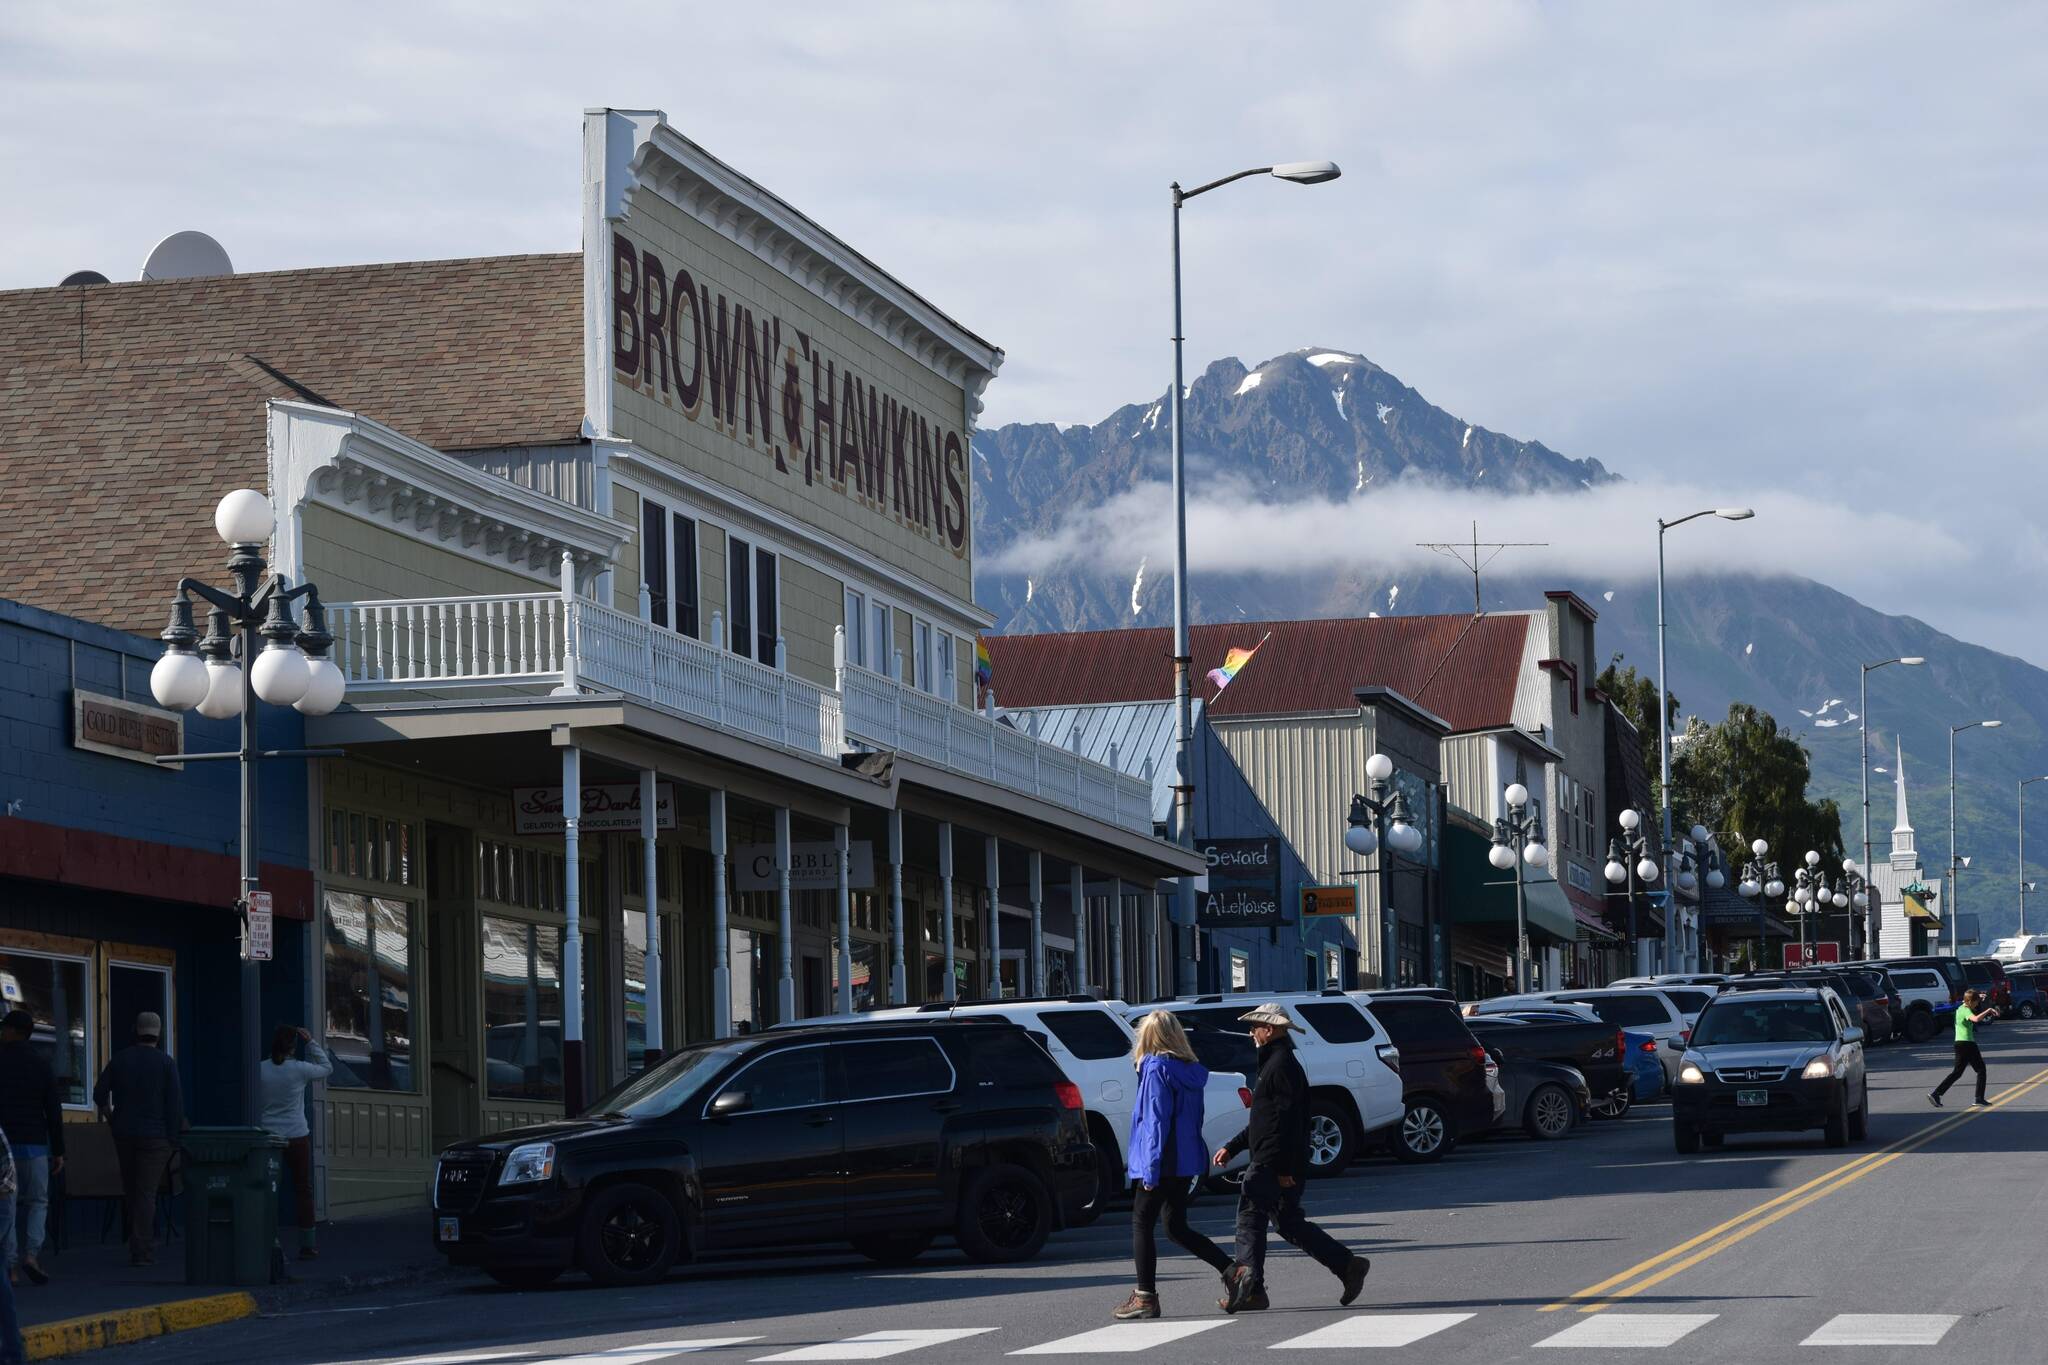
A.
x: 125, y: 729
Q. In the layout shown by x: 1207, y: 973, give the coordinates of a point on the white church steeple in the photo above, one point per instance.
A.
x: 1903, y: 850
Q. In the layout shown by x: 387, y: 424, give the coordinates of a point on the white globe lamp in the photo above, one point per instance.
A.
x: 223, y: 698
x: 1379, y: 767
x: 1686, y: 881
x: 1774, y: 888
x: 178, y: 680
x: 1812, y: 858
x: 281, y: 674
x: 325, y: 686
x: 1361, y: 840
x: 1535, y: 855
x: 1646, y: 871
x: 1715, y: 879
x: 1617, y: 872
x: 1501, y: 856
x: 1631, y: 818
x: 1517, y: 794
x: 1760, y: 847
x: 244, y: 517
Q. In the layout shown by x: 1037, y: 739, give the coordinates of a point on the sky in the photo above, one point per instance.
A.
x: 1786, y: 255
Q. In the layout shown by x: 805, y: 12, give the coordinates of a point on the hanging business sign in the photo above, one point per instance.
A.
x: 1242, y: 886
x: 812, y: 867
x: 606, y: 809
x: 1328, y: 900
x: 125, y: 729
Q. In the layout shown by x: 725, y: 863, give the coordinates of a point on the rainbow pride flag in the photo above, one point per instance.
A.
x: 1234, y: 662
x: 984, y: 667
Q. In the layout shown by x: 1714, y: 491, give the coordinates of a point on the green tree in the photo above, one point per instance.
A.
x: 1636, y: 694
x: 1747, y: 776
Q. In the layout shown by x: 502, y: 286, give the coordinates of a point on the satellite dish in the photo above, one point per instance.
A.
x: 187, y: 256
x: 83, y: 277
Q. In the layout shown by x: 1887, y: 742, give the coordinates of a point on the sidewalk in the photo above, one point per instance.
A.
x: 91, y: 1280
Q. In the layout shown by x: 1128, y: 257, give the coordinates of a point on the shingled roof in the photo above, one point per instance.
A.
x: 1464, y: 668
x: 130, y: 408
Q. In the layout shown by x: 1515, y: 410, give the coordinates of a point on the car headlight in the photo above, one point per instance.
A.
x: 1819, y: 1069
x: 1690, y: 1074
x: 533, y: 1162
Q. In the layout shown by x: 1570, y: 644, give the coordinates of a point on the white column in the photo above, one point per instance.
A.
x: 1077, y: 894
x: 1118, y: 990
x: 897, y: 984
x: 947, y: 989
x: 844, y: 1003
x: 1148, y: 944
x: 1037, y: 984
x: 650, y: 828
x: 785, y: 981
x: 572, y: 927
x: 721, y: 965
x: 992, y: 877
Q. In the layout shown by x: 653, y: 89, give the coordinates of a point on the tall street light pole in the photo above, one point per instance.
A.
x: 1863, y: 732
x: 1954, y: 864
x: 1518, y: 839
x: 1628, y: 863
x: 1663, y: 705
x: 1300, y: 173
x: 2024, y: 784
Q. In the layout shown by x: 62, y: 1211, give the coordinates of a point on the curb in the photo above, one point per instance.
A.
x: 48, y: 1340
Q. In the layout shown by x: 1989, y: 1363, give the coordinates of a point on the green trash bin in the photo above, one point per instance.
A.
x: 231, y: 1177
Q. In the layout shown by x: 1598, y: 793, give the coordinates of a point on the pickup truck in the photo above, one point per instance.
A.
x: 1595, y: 1049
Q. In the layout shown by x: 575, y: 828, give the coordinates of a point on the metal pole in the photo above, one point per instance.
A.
x: 897, y: 971
x: 252, y: 971
x: 844, y: 958
x: 1077, y: 897
x: 721, y: 963
x: 572, y: 932
x: 1863, y: 773
x: 948, y: 991
x: 2023, y: 857
x: 1663, y: 743
x: 1953, y: 866
x: 1521, y: 917
x: 785, y: 927
x: 1184, y: 774
x: 1037, y: 985
x: 650, y: 876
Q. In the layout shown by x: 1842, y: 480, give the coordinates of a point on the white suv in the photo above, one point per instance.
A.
x: 1092, y: 1044
x: 1353, y: 1068
x: 1640, y: 1009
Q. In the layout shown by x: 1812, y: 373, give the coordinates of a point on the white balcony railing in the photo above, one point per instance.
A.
x: 534, y: 641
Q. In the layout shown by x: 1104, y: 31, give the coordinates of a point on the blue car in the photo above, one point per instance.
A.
x: 1645, y: 1068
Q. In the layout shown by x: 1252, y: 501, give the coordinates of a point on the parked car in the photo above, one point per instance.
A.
x: 2029, y: 982
x: 885, y: 1137
x: 1546, y: 1100
x: 1645, y: 1066
x: 1881, y: 982
x: 1353, y: 1066
x: 1645, y: 1009
x: 1948, y: 966
x: 1674, y: 979
x: 1592, y: 1047
x: 1092, y: 1043
x: 1444, y: 1084
x: 1870, y: 1008
x: 1772, y: 1061
x: 1689, y: 992
x: 1987, y: 974
x: 1926, y: 995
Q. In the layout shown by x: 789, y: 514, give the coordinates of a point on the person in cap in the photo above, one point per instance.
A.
x: 32, y: 1117
x: 138, y: 1095
x: 1276, y: 1136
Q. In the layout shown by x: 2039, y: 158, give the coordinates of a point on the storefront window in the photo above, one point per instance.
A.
x: 1059, y: 971
x: 867, y: 974
x: 53, y: 990
x: 633, y: 955
x: 751, y: 964
x: 368, y: 960
x: 522, y: 1009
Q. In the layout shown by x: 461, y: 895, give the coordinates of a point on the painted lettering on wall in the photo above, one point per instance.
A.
x: 771, y: 384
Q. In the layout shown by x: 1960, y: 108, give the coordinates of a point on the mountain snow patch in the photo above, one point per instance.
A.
x: 1248, y: 383
x: 1339, y: 396
x: 1360, y: 487
x: 1393, y: 596
x: 1749, y: 648
x: 1029, y: 588
x: 1466, y: 443
x: 1384, y: 409
x: 1136, y: 584
x: 1331, y: 358
x: 1608, y: 595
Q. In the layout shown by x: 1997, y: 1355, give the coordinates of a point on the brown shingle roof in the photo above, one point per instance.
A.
x: 130, y: 408
x: 1463, y: 668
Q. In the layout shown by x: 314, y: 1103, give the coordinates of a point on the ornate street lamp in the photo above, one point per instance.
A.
x: 1518, y: 841
x: 1629, y: 863
x: 1383, y: 818
x: 291, y: 669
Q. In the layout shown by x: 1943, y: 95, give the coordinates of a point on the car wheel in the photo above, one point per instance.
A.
x: 1005, y: 1214
x: 1330, y: 1144
x: 1548, y: 1115
x: 1424, y: 1133
x: 630, y: 1235
x: 1859, y: 1122
x: 1920, y: 1026
x: 2027, y: 1009
x: 894, y: 1248
x: 1612, y: 1106
x: 1836, y: 1131
x: 524, y: 1276
x: 1685, y: 1138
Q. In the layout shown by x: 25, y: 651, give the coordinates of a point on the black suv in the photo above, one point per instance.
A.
x: 880, y: 1136
x: 1443, y: 1073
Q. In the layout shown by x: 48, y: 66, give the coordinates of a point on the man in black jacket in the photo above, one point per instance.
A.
x: 32, y: 1116
x: 1277, y: 1137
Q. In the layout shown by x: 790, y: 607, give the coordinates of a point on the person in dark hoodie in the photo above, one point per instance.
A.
x: 1277, y: 1138
x: 1166, y: 1156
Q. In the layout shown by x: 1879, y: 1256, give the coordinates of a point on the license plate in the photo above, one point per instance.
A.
x: 1744, y: 1098
x: 450, y: 1229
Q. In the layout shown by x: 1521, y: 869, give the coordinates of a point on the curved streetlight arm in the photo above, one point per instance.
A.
x: 1181, y: 196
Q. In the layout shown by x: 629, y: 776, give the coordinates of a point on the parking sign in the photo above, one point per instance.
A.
x: 256, y: 928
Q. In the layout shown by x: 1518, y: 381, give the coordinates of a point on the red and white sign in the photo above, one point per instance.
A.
x: 256, y: 931
x: 1812, y: 954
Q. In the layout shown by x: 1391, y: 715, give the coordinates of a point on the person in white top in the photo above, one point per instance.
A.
x: 281, y: 1082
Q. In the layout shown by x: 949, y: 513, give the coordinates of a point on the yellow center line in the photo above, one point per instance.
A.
x: 1771, y: 1210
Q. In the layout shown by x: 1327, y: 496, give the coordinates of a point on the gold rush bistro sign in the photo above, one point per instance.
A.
x: 125, y: 729
x: 768, y: 390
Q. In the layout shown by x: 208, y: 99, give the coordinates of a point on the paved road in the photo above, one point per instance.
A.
x: 1923, y: 1237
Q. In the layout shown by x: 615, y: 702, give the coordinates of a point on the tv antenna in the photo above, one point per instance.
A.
x: 1471, y: 557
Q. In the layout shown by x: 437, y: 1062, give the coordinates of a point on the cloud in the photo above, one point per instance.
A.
x: 1233, y: 527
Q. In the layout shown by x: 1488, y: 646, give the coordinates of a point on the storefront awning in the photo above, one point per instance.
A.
x: 1479, y: 895
x: 1727, y: 913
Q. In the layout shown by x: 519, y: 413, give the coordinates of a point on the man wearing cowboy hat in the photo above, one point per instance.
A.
x: 1277, y: 1137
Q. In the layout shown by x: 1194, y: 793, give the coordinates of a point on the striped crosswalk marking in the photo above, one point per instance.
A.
x: 880, y: 1345
x: 644, y: 1352
x: 1883, y: 1329
x: 1373, y: 1329
x: 1629, y: 1330
x: 1123, y: 1338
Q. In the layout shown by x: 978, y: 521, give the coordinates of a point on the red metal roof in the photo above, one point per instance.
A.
x: 1463, y: 668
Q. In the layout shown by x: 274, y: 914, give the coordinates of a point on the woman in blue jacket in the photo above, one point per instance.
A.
x: 1167, y: 1155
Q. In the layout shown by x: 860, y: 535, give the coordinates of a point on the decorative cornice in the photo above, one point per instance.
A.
x: 365, y: 469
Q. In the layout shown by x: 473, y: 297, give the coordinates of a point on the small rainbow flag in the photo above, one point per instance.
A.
x: 984, y: 667
x: 1234, y: 662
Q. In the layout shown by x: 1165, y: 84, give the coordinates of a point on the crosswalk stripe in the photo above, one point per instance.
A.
x: 1373, y: 1329
x: 878, y: 1345
x: 644, y: 1352
x: 1883, y: 1329
x: 1637, y: 1330
x: 1123, y: 1338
